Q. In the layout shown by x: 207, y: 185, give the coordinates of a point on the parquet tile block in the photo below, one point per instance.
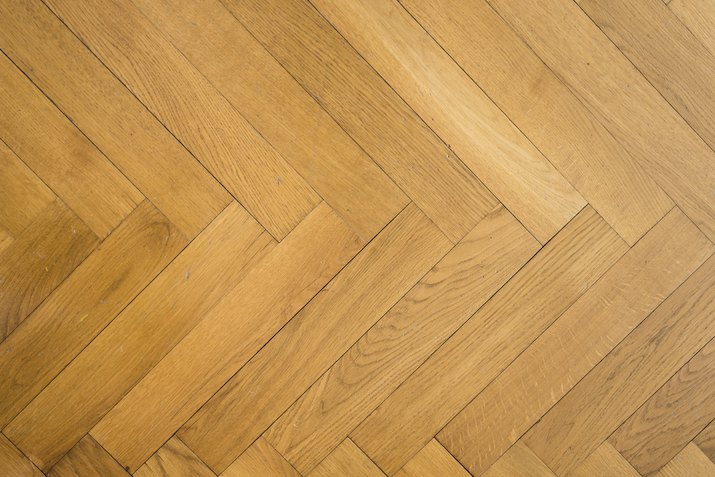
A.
x: 605, y: 460
x: 690, y: 462
x: 432, y: 461
x: 518, y: 461
x: 87, y: 458
x: 706, y: 441
x: 174, y: 459
x: 12, y: 462
x: 260, y: 459
x: 347, y: 460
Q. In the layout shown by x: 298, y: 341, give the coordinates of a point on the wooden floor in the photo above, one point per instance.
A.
x: 357, y: 238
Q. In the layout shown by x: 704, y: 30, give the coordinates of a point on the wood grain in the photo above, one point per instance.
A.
x: 706, y: 440
x: 690, y: 462
x: 140, y: 336
x: 645, y: 360
x: 605, y: 460
x: 518, y: 461
x: 547, y: 112
x: 432, y: 460
x: 174, y: 459
x: 13, y: 463
x: 61, y: 155
x: 699, y: 17
x: 193, y: 110
x: 323, y: 331
x: 286, y: 115
x: 111, y: 117
x: 372, y: 113
x: 347, y: 460
x: 77, y: 310
x: 401, y: 340
x: 260, y: 459
x: 502, y: 328
x: 87, y: 458
x: 39, y: 258
x: 597, y: 322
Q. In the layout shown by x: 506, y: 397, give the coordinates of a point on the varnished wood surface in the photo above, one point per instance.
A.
x: 357, y: 238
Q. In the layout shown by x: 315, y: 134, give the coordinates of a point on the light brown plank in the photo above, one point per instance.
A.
x: 432, y: 461
x: 22, y: 194
x: 663, y: 49
x: 518, y: 461
x: 699, y: 17
x: 83, y: 305
x: 672, y: 417
x: 285, y: 114
x: 548, y: 113
x: 536, y: 296
x: 61, y: 155
x: 706, y: 441
x: 347, y: 460
x: 39, y: 258
x: 13, y: 463
x: 141, y: 335
x: 193, y: 110
x: 100, y: 106
x: 260, y: 459
x: 85, y: 459
x: 605, y: 460
x: 285, y: 367
x: 392, y: 349
x: 622, y: 99
x: 5, y: 239
x: 690, y: 462
x: 629, y: 375
x: 174, y: 459
x: 597, y: 322
x: 274, y: 291
x: 372, y: 113
x: 458, y: 111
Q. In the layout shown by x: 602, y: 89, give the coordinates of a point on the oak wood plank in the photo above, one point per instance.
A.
x: 258, y: 307
x: 556, y: 361
x: 548, y: 113
x: 690, y: 462
x: 369, y: 110
x: 278, y: 107
x: 141, y: 335
x: 111, y: 117
x: 699, y: 17
x: 605, y: 460
x: 38, y: 260
x: 5, y: 239
x: 672, y: 417
x: 87, y: 458
x: 61, y: 155
x: 706, y: 440
x: 22, y: 194
x: 13, y: 463
x: 666, y: 52
x: 502, y: 328
x: 83, y: 304
x: 518, y: 461
x: 622, y: 99
x: 347, y: 460
x: 260, y: 459
x: 323, y: 330
x: 433, y: 460
x: 199, y: 116
x: 629, y: 375
x: 400, y: 341
x: 174, y: 459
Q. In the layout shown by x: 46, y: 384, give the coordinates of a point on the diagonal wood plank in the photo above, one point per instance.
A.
x: 144, y: 332
x: 350, y: 303
x: 548, y: 113
x: 690, y: 462
x: 699, y: 17
x: 372, y: 113
x: 392, y: 349
x: 536, y: 296
x: 111, y: 117
x: 672, y: 417
x: 518, y: 461
x: 13, y: 463
x: 597, y: 322
x: 629, y: 375
x: 347, y: 460
x: 432, y: 461
x: 286, y: 115
x: 61, y: 155
x: 605, y: 460
x: 39, y: 258
x: 706, y: 440
x: 174, y: 459
x: 87, y: 458
x: 78, y: 309
x: 260, y: 459
x: 193, y: 110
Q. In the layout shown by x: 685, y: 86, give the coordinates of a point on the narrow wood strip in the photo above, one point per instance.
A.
x: 690, y: 462
x: 347, y: 460
x: 174, y: 459
x: 629, y: 375
x: 83, y: 305
x: 260, y: 459
x: 285, y: 114
x: 518, y: 461
x: 516, y: 315
x: 432, y: 460
x: 38, y: 260
x: 400, y: 341
x: 85, y: 459
x: 605, y: 460
x: 110, y: 116
x: 193, y: 110
x: 13, y: 463
x: 141, y: 335
x: 61, y: 155
x: 369, y: 110
x: 597, y: 322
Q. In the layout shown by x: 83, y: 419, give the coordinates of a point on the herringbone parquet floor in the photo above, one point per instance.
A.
x: 357, y: 238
